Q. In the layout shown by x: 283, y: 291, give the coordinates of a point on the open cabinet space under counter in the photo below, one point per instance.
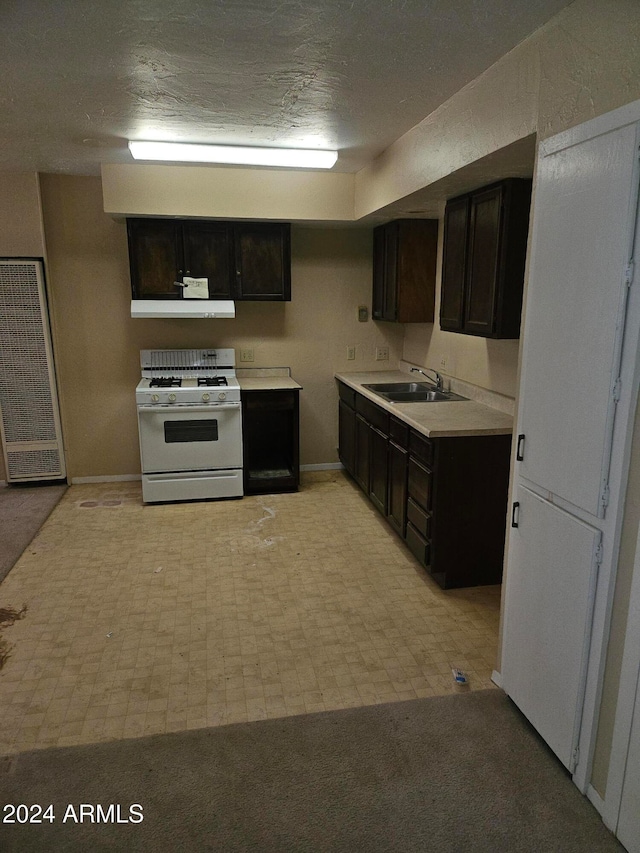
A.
x: 438, y: 472
x: 270, y: 430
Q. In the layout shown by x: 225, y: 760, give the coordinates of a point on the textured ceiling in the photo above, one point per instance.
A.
x: 80, y: 77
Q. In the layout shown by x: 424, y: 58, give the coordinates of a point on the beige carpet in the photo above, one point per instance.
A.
x: 23, y: 511
x: 454, y: 774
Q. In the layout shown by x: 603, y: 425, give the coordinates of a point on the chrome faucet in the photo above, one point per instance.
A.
x: 438, y: 382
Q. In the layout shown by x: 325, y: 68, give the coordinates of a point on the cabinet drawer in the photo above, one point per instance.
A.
x: 347, y: 395
x: 399, y: 432
x: 418, y: 546
x: 419, y: 484
x: 376, y: 416
x: 419, y: 518
x: 421, y: 447
x: 270, y: 400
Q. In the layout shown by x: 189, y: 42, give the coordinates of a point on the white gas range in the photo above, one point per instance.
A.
x: 190, y: 425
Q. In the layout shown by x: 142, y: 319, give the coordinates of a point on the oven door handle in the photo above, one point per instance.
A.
x: 167, y: 407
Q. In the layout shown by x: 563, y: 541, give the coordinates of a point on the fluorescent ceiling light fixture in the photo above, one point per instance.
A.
x: 185, y: 152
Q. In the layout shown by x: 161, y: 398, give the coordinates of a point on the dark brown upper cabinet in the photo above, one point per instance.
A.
x: 404, y: 270
x: 250, y: 261
x: 262, y: 261
x: 484, y: 254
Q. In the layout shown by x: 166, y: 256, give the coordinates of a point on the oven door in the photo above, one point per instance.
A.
x: 190, y: 438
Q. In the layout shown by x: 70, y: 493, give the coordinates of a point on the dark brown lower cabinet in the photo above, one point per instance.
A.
x: 397, y: 495
x: 469, y: 507
x: 270, y: 438
x: 446, y: 497
x: 362, y: 462
x: 378, y: 468
x: 347, y: 437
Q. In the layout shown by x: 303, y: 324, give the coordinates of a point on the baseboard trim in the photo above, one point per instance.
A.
x: 496, y: 677
x: 323, y: 466
x: 116, y: 478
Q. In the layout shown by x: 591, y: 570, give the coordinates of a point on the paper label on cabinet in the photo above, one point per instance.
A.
x: 195, y: 288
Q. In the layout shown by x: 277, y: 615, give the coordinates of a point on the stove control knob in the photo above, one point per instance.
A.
x: 222, y: 396
x: 172, y: 398
x: 155, y: 398
x: 206, y: 397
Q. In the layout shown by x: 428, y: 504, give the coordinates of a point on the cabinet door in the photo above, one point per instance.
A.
x: 485, y: 218
x: 390, y: 310
x: 361, y: 472
x: 397, y: 494
x: 347, y: 437
x: 548, y: 609
x: 415, y: 264
x: 263, y: 261
x: 575, y: 315
x: 456, y: 224
x: 377, y: 308
x: 155, y: 258
x: 207, y: 254
x: 385, y: 272
x: 378, y: 467
x: 419, y: 484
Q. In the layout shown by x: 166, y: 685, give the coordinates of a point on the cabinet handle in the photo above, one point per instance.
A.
x: 519, y: 448
x: 515, y: 514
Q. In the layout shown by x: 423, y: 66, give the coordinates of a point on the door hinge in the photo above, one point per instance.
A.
x: 616, y: 390
x: 604, y: 497
x: 599, y: 554
x: 628, y: 274
x: 575, y: 758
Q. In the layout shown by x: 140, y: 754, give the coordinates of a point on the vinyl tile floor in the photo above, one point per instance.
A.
x: 149, y: 619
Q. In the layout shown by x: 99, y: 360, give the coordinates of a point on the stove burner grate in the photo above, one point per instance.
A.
x: 165, y: 382
x: 212, y: 381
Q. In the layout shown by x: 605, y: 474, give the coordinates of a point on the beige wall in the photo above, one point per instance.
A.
x: 20, y: 219
x: 20, y: 224
x: 97, y: 343
x: 228, y: 193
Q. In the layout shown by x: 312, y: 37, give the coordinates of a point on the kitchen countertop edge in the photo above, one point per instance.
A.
x: 435, y: 420
x: 268, y: 383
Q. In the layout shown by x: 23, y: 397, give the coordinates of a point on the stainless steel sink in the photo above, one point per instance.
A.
x: 412, y: 392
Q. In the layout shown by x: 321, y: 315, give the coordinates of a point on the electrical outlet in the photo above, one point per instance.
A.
x: 246, y: 354
x: 382, y: 353
x: 444, y: 361
x: 351, y: 353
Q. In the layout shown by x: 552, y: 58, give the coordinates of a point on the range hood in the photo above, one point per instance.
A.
x: 193, y: 308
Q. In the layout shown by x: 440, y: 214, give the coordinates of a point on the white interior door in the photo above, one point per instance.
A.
x: 583, y: 216
x: 548, y: 609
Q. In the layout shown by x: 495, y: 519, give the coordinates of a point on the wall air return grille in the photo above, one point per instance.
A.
x: 29, y: 416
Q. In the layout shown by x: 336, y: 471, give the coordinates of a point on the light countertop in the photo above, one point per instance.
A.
x: 435, y: 420
x: 266, y: 379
